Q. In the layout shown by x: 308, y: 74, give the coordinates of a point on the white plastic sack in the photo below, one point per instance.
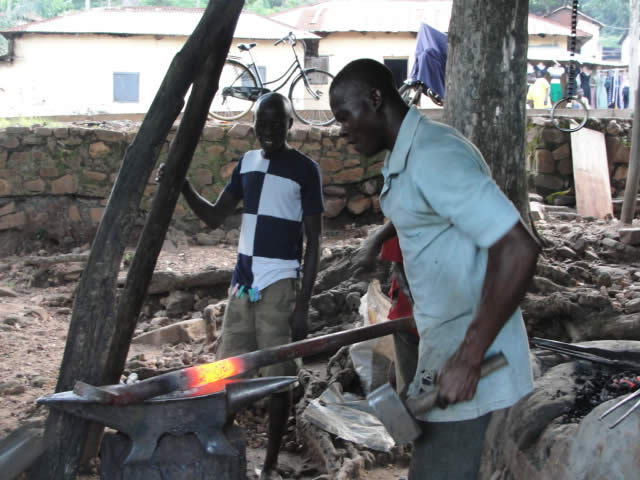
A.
x: 373, y: 359
x: 327, y: 413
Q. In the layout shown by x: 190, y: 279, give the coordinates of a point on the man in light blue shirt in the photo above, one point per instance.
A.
x: 467, y: 257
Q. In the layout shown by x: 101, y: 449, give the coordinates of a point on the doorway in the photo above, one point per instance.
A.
x: 399, y: 68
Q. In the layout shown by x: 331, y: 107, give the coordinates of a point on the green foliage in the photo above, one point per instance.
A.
x: 26, y: 122
x: 614, y: 14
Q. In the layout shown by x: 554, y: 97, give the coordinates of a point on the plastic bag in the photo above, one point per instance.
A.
x: 373, y: 359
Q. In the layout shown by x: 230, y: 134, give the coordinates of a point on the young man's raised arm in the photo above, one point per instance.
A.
x: 213, y: 214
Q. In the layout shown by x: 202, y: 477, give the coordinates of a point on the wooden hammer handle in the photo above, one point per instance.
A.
x: 424, y: 403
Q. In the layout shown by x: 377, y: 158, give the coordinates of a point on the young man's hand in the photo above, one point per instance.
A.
x: 299, y: 323
x: 160, y: 173
x: 365, y: 257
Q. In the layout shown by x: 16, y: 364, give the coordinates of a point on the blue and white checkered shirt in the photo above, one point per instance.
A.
x: 277, y: 193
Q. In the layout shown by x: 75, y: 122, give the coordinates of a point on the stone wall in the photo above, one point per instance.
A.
x: 550, y: 160
x: 55, y: 182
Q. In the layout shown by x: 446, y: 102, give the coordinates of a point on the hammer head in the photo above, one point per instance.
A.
x: 391, y: 411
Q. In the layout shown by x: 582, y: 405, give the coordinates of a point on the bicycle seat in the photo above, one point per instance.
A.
x: 246, y: 47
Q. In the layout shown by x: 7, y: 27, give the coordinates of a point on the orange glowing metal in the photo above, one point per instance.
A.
x: 213, y: 372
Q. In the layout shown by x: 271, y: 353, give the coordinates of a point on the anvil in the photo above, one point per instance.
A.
x: 177, y: 413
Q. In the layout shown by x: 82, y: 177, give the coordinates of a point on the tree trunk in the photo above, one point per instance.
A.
x: 486, y: 81
x: 96, y: 340
x: 634, y: 51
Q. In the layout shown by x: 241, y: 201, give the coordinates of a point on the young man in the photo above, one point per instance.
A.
x: 468, y: 260
x: 281, y: 191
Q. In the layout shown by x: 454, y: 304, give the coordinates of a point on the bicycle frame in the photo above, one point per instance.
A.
x: 248, y: 92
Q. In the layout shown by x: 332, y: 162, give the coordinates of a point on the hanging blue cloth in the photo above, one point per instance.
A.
x: 431, y: 58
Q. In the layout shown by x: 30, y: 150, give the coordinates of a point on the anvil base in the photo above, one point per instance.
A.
x: 175, y: 458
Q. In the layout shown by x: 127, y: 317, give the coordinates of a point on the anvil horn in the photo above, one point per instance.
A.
x: 243, y: 394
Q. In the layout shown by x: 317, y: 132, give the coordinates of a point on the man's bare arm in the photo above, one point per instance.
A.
x: 510, y: 268
x: 299, y: 317
x: 213, y: 214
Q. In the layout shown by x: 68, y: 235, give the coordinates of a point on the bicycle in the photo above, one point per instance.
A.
x: 309, y: 90
x: 411, y: 90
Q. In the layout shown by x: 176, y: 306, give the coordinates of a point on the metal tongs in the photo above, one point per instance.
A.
x: 619, y: 404
x: 612, y: 358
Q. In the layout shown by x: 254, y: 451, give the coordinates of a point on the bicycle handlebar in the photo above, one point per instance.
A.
x: 290, y: 37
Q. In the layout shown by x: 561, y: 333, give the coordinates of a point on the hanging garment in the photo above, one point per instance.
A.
x: 556, y: 73
x: 601, y: 92
x: 585, y: 83
x: 431, y: 58
x: 593, y: 84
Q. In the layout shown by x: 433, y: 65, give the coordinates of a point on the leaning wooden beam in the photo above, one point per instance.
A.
x: 93, y: 328
x: 164, y: 203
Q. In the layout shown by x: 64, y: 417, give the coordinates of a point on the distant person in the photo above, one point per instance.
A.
x: 467, y: 257
x: 538, y: 93
x: 281, y: 191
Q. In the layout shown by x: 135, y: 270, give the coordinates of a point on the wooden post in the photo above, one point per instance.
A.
x: 631, y: 188
x: 96, y: 342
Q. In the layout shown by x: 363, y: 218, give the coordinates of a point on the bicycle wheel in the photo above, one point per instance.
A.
x: 310, y: 100
x: 224, y: 106
x: 410, y: 93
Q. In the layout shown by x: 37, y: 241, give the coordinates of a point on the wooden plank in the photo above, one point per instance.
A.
x: 591, y: 174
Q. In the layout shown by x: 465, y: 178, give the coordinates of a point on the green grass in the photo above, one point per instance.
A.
x: 27, y: 122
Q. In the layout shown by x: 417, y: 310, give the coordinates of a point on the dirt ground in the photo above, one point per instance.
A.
x: 33, y: 331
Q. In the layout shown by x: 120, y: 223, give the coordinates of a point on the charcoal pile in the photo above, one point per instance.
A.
x: 596, y: 386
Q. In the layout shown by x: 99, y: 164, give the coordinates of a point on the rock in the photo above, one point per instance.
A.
x: 324, y: 303
x: 213, y: 238
x: 158, y: 322
x: 359, y: 204
x: 179, y: 302
x: 181, y: 332
x: 632, y: 306
x: 352, y: 301
x: 335, y: 191
x: 579, y: 245
x: 37, y: 381
x: 232, y: 236
x: 544, y: 161
x: 537, y: 211
x: 12, y: 387
x: 534, y: 197
x: 613, y: 128
x: 562, y: 152
x: 566, y: 252
x: 609, y: 243
x: 7, y: 292
x: 333, y: 206
x: 369, y: 187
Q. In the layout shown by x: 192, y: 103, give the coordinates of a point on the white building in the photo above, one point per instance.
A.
x: 112, y: 60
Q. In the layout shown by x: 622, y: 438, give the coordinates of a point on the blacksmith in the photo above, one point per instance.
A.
x: 467, y: 257
x: 281, y: 191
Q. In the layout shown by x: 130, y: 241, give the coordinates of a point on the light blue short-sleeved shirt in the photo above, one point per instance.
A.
x: 448, y: 211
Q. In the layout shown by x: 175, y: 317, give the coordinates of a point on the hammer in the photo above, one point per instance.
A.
x: 398, y: 417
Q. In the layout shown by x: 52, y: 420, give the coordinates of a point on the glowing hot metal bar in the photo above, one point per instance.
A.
x: 190, y: 379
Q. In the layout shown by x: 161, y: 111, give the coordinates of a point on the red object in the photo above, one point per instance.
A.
x: 400, y: 304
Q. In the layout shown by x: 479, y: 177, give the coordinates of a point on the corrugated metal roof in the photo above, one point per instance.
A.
x: 369, y: 16
x: 390, y: 16
x: 562, y: 55
x: 155, y: 21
